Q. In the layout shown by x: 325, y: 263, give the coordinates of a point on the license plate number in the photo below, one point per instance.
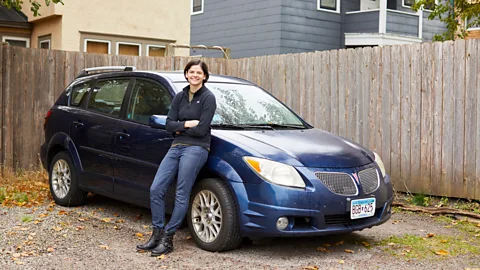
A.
x: 362, y: 208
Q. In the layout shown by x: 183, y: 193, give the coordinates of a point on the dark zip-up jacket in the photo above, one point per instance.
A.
x: 201, y: 108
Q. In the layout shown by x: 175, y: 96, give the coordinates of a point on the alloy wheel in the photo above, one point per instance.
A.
x: 206, y: 214
x: 61, y: 178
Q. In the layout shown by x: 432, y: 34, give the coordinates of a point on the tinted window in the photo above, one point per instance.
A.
x: 78, y: 93
x: 148, y: 98
x: 107, y: 96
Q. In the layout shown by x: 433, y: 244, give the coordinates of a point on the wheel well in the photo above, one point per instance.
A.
x: 53, y: 151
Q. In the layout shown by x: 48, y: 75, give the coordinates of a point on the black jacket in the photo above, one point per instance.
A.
x: 202, y: 108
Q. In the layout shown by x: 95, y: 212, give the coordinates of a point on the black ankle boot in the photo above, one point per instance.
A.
x: 164, y: 247
x: 153, y: 241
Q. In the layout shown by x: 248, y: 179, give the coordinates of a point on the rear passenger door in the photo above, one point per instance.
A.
x: 140, y: 148
x: 93, y: 132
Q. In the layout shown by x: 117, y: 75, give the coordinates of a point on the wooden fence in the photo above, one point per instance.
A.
x: 418, y: 106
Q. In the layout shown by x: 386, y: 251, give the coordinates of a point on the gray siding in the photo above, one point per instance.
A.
x: 431, y: 27
x: 350, y: 5
x: 304, y: 28
x: 365, y: 22
x: 402, y: 24
x: 247, y: 27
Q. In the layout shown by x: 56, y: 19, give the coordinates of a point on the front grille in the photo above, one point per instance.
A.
x: 338, y: 183
x: 369, y: 180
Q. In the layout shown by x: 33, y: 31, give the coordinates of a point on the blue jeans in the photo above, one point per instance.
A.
x: 187, y: 161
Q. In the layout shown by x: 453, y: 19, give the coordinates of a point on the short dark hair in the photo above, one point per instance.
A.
x: 197, y: 62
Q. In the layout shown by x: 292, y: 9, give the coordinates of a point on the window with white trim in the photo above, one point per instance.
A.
x: 155, y: 50
x: 470, y: 25
x: 97, y: 46
x: 127, y: 48
x: 44, y: 42
x: 329, y: 5
x: 17, y: 41
x: 409, y: 4
x: 197, y: 6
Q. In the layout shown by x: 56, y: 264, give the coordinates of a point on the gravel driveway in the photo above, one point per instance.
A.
x: 104, y: 233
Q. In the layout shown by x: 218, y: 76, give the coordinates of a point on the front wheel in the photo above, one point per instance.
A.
x: 212, y: 216
x: 63, y: 181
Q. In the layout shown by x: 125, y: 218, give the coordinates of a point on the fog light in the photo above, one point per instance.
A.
x: 282, y: 223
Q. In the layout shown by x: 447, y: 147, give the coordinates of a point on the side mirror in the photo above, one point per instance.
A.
x: 158, y: 121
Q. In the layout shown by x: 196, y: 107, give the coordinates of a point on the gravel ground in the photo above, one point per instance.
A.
x: 104, y: 233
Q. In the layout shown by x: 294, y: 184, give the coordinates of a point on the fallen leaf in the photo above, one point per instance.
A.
x: 349, y: 251
x: 30, y: 237
x: 146, y: 226
x: 341, y: 262
x: 115, y: 227
x: 189, y: 237
x: 106, y: 220
x: 64, y: 236
x: 444, y: 241
x: 56, y: 228
x: 104, y: 247
x: 50, y: 249
x: 327, y: 245
x: 442, y: 252
x: 314, y: 267
x: 161, y: 257
x: 33, y: 234
x: 478, y: 225
x: 116, y: 214
x: 37, y: 221
x: 78, y: 228
x: 365, y: 244
x: 19, y: 263
x: 43, y: 215
x: 120, y: 221
x: 391, y: 244
x: 339, y: 243
x: 17, y: 255
x: 322, y: 249
x: 139, y: 234
x: 61, y: 212
x: 430, y: 235
x: 138, y: 217
x: 18, y: 247
x: 141, y: 251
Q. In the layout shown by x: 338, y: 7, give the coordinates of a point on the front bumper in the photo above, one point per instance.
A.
x: 311, y: 218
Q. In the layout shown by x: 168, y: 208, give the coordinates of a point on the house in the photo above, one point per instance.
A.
x: 14, y: 27
x: 253, y: 27
x: 118, y: 27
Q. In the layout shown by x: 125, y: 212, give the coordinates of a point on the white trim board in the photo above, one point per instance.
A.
x: 376, y: 39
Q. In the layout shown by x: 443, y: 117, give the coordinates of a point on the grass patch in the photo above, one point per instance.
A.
x: 438, y: 246
x: 463, y: 225
x: 420, y: 200
x: 24, y: 187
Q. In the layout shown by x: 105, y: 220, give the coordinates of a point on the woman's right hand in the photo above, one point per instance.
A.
x: 191, y: 123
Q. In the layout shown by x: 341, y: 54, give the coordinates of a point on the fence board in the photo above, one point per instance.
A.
x: 426, y: 133
x: 9, y: 109
x: 367, y: 111
x: 290, y: 69
x: 436, y: 187
x: 309, y: 104
x: 333, y: 60
x: 358, y: 96
x: 17, y: 87
x: 477, y: 166
x: 300, y: 90
x: 405, y: 108
x: 395, y: 130
x: 350, y: 95
x: 471, y: 123
x: 415, y: 116
x: 31, y: 149
x: 324, y: 95
x: 281, y: 78
x: 2, y: 108
x: 448, y: 124
x: 386, y: 104
x: 377, y: 97
x: 459, y: 118
x: 342, y: 98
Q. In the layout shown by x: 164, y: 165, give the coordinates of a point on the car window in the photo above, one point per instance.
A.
x: 78, y: 93
x: 148, y: 98
x: 107, y: 96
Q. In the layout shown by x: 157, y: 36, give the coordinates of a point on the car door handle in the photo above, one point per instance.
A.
x: 123, y: 135
x: 77, y: 124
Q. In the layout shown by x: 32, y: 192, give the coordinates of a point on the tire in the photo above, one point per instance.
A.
x: 228, y: 235
x: 62, y: 178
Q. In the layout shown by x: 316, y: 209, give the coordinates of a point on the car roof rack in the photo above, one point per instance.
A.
x: 88, y: 71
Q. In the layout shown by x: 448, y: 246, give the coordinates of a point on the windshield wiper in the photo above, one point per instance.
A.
x: 272, y: 125
x: 240, y: 126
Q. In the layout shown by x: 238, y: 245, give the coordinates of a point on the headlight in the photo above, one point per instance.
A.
x: 275, y: 172
x: 380, y: 164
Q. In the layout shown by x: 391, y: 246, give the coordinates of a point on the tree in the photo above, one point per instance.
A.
x: 17, y: 4
x: 454, y: 13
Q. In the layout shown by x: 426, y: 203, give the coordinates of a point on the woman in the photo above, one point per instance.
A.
x: 189, y: 119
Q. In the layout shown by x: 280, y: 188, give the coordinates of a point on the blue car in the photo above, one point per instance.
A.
x: 269, y: 173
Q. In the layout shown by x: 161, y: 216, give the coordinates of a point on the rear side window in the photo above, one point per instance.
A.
x: 148, y: 98
x: 107, y: 96
x: 78, y: 94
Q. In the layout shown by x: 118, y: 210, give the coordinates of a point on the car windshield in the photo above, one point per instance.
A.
x: 248, y: 106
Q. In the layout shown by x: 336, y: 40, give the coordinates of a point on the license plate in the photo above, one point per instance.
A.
x: 362, y: 208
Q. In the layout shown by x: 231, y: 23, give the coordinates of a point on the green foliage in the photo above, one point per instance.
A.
x: 26, y: 219
x: 420, y: 200
x: 20, y: 197
x: 453, y: 13
x: 3, y: 194
x: 35, y: 4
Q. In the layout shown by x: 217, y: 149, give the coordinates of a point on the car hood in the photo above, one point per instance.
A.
x: 311, y: 147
